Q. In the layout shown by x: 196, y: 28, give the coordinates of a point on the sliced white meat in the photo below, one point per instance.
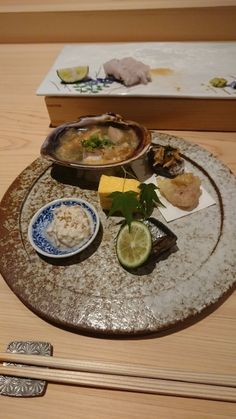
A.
x: 112, y: 68
x: 128, y: 70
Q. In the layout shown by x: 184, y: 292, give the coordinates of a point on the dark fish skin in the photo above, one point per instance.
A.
x: 163, y: 238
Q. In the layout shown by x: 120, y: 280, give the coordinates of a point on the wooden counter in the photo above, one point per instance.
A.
x: 206, y: 345
x: 117, y: 21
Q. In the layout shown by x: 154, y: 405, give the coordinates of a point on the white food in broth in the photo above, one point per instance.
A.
x: 101, y: 144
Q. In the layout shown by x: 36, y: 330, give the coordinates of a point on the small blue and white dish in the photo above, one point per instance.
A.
x: 37, y: 230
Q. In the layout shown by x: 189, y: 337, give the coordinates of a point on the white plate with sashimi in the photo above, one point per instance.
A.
x: 150, y: 69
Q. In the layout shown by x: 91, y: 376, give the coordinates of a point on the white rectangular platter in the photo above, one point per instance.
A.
x: 178, y: 69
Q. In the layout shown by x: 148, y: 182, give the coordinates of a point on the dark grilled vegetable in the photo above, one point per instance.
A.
x: 166, y: 160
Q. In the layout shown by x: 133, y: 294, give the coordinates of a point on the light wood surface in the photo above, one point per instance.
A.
x: 141, y: 371
x: 129, y: 383
x: 91, y: 5
x: 117, y: 21
x: 120, y: 376
x: 208, y: 345
x: 193, y: 114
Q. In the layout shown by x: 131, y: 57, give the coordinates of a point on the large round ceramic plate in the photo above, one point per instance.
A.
x: 91, y: 292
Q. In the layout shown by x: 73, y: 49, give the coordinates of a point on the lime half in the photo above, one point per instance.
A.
x: 133, y: 246
x: 73, y: 74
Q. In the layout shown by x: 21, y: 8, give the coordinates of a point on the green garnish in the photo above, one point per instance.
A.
x: 133, y: 205
x: 218, y: 82
x: 148, y: 199
x: 96, y: 142
x: 126, y: 203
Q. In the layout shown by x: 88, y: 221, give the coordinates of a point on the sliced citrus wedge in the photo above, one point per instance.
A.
x: 73, y: 74
x: 133, y: 246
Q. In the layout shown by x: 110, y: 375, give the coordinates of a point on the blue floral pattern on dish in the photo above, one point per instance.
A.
x: 94, y: 85
x: 39, y: 225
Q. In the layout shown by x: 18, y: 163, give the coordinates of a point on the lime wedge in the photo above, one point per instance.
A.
x: 133, y: 246
x: 73, y: 74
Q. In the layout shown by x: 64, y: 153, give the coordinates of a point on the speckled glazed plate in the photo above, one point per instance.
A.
x: 91, y: 292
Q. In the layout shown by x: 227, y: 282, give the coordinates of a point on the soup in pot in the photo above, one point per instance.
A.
x: 100, y: 144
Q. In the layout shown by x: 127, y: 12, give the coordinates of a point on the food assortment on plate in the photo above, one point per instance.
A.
x: 98, y: 141
x: 142, y: 69
x: 139, y: 266
x: 135, y: 201
x: 127, y: 71
x: 95, y: 142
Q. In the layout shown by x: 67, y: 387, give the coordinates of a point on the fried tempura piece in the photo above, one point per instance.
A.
x: 183, y: 191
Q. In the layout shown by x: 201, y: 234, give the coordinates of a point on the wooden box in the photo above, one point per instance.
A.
x: 156, y: 113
